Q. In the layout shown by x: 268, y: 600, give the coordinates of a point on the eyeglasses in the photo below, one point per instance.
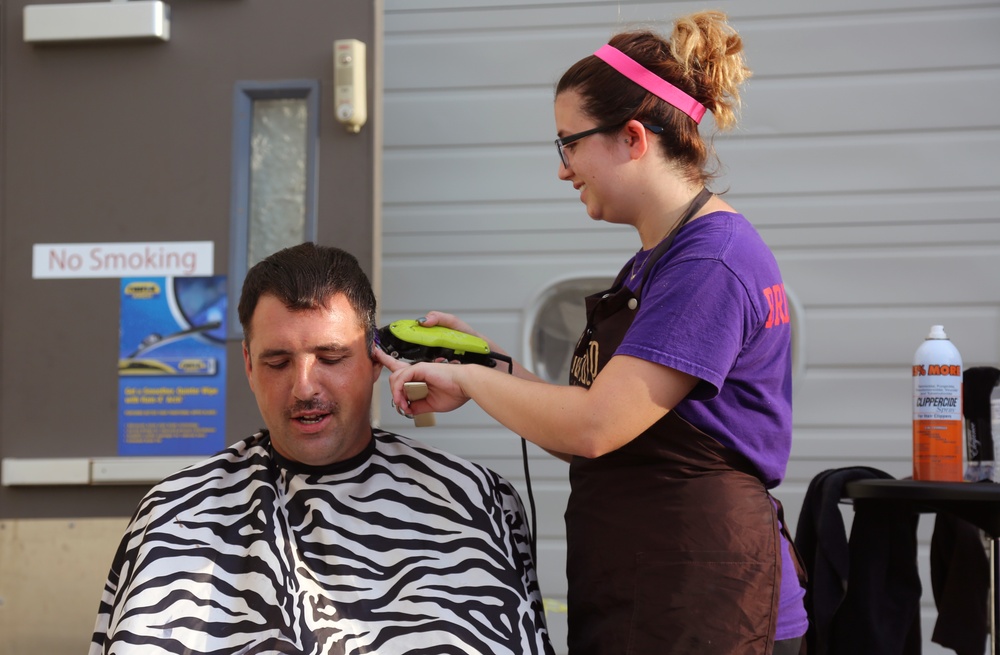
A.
x: 562, y: 142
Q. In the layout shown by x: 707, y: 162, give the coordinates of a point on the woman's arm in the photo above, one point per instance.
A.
x: 627, y: 397
x: 517, y: 370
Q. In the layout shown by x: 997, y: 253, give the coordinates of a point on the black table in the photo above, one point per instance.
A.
x: 978, y: 503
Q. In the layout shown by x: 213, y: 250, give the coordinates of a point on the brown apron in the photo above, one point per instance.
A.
x: 673, y: 542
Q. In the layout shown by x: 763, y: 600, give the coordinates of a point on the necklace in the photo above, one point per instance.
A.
x: 640, y: 259
x: 697, y: 203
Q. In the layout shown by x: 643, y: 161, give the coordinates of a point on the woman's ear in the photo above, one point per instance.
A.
x: 635, y: 137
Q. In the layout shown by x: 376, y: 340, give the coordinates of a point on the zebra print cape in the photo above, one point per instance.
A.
x: 401, y: 549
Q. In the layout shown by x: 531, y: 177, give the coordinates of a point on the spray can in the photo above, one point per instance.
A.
x: 937, y: 409
x: 981, y: 408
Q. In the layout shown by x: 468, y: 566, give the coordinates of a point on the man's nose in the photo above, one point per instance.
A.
x: 305, y: 385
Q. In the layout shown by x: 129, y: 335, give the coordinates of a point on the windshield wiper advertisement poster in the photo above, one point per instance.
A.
x: 172, y: 366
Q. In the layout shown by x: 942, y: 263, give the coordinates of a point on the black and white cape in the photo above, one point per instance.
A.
x: 403, y: 549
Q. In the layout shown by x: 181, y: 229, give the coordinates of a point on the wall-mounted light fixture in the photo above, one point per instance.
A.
x: 97, y: 21
x: 349, y: 86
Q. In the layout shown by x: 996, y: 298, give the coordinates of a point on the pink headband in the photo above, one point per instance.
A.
x: 650, y: 81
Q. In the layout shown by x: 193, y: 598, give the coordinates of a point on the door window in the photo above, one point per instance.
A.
x: 273, y: 206
x: 277, y: 203
x: 556, y: 323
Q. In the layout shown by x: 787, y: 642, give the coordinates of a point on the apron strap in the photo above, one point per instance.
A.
x: 800, y: 566
x: 662, y: 247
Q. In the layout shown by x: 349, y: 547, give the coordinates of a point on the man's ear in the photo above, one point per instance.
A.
x: 247, y: 363
x: 376, y: 364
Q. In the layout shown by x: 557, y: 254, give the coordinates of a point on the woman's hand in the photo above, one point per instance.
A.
x: 444, y: 384
x: 449, y: 321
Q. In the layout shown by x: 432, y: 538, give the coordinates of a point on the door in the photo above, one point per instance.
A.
x: 149, y: 141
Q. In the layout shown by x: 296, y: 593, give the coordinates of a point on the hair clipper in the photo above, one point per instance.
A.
x: 411, y: 341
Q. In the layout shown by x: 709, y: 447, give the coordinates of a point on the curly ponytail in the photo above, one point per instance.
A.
x: 710, y: 51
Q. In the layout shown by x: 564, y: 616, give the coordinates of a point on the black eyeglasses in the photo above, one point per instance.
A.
x: 562, y: 142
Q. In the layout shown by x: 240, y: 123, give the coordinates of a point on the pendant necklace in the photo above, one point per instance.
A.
x: 642, y: 255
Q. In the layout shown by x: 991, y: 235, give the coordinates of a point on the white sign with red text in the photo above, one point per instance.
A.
x: 92, y: 260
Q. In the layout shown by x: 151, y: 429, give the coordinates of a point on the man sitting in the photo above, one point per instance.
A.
x: 321, y: 534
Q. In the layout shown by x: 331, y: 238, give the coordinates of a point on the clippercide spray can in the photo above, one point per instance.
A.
x: 937, y: 409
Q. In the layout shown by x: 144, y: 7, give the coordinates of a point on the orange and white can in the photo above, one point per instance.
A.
x: 938, y: 436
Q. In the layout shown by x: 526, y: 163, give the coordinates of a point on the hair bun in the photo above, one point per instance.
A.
x: 710, y: 51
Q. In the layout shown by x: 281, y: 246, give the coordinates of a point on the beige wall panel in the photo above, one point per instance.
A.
x: 52, y: 573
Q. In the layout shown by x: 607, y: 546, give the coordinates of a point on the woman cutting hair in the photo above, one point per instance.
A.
x: 677, y: 419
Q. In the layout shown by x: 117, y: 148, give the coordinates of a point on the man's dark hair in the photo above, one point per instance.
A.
x: 305, y: 277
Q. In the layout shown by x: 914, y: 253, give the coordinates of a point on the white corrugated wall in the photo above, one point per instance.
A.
x: 868, y: 157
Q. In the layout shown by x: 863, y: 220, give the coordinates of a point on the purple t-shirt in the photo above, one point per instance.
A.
x: 714, y: 307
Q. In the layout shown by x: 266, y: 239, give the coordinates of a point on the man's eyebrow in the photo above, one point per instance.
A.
x: 273, y: 352
x: 333, y: 348
x: 328, y: 348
